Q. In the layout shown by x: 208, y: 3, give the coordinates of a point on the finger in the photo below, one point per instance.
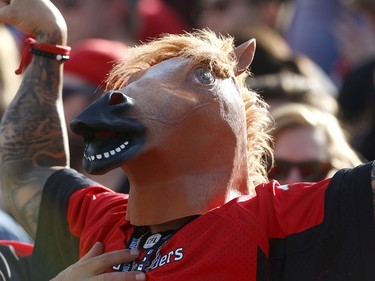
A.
x: 101, y: 263
x: 96, y: 250
x: 123, y: 276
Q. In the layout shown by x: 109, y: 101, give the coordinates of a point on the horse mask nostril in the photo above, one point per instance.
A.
x: 116, y: 98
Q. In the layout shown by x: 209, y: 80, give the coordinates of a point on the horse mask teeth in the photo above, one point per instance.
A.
x: 106, y: 154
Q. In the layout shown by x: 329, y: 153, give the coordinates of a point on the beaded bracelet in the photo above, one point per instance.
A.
x: 56, y: 52
x: 58, y: 57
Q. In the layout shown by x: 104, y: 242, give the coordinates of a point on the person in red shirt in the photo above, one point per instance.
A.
x: 192, y: 138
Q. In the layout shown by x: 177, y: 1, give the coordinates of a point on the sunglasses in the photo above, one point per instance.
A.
x: 310, y: 171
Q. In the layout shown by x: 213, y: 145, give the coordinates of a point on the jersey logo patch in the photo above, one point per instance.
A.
x: 151, y: 241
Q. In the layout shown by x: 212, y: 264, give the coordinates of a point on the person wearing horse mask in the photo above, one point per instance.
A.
x: 179, y: 120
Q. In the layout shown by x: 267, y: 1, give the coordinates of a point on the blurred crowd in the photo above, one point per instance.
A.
x: 314, y: 66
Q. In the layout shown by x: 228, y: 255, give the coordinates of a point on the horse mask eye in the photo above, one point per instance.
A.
x: 204, y: 76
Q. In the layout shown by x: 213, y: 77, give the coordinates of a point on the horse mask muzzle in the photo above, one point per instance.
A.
x: 110, y: 135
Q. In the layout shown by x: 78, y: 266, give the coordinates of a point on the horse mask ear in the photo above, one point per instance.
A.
x: 244, y: 54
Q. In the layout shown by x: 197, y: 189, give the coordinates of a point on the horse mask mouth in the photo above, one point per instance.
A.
x: 111, y: 138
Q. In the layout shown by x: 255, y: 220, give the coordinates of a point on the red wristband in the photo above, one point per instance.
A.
x: 57, y: 52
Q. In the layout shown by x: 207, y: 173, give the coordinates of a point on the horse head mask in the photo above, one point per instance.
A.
x: 182, y: 125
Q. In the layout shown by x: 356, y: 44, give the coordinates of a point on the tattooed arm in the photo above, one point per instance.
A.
x: 33, y: 139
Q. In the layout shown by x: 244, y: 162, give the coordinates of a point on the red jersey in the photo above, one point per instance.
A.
x: 302, y: 231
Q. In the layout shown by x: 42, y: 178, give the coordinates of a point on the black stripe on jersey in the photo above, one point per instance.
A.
x: 343, y: 246
x: 55, y: 248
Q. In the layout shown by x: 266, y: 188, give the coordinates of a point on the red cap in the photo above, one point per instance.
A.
x: 92, y: 59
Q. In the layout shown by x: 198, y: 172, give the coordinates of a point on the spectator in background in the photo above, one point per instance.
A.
x: 229, y: 16
x: 311, y: 31
x: 334, y: 34
x: 121, y: 20
x: 309, y: 145
x: 109, y: 19
x: 281, y: 77
x: 273, y: 53
x: 309, y: 140
x: 355, y: 37
x: 282, y: 88
x: 357, y: 100
x: 357, y: 92
x: 84, y: 73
